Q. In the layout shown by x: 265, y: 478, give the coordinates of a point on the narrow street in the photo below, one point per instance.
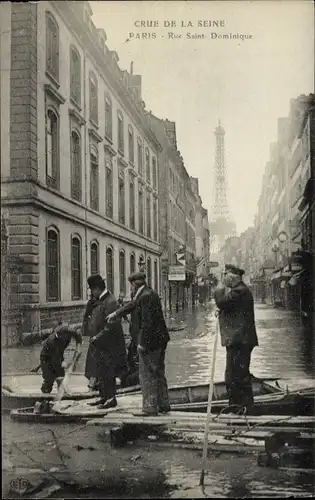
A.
x: 283, y: 352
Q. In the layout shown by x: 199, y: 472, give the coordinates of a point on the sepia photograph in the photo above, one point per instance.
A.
x: 157, y: 248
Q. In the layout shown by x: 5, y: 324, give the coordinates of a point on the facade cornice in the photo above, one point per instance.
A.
x: 151, y: 246
x: 76, y: 116
x: 54, y: 94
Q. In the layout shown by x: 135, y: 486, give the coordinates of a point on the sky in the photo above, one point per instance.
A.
x: 247, y: 84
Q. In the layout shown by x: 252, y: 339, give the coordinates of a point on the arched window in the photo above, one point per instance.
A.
x: 122, y: 273
x: 52, y: 149
x: 94, y: 188
x: 76, y: 278
x: 52, y: 266
x: 108, y: 118
x: 121, y: 200
x: 141, y: 212
x: 75, y: 75
x: 142, y: 263
x: 155, y: 221
x: 110, y: 269
x: 149, y: 272
x: 148, y: 216
x: 131, y: 144
x: 121, y: 142
x: 52, y: 46
x: 93, y: 98
x: 154, y: 173
x: 156, y: 276
x: 109, y: 188
x: 132, y: 263
x: 76, y: 169
x: 94, y: 258
x: 147, y: 165
x: 140, y: 159
x: 132, y: 204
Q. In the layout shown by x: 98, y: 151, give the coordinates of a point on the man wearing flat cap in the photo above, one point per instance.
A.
x: 106, y: 341
x: 149, y: 332
x: 238, y: 335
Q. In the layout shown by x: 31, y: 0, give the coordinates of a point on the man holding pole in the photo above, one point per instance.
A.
x: 238, y: 335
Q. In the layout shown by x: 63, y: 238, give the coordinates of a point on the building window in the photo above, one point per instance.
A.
x: 132, y: 263
x: 52, y: 149
x: 149, y: 272
x: 108, y: 118
x: 140, y: 159
x: 93, y: 98
x: 156, y: 276
x: 148, y: 216
x: 76, y: 269
x: 52, y: 266
x: 141, y: 213
x: 94, y: 254
x: 121, y: 144
x: 110, y: 269
x: 131, y: 146
x: 75, y: 75
x: 132, y: 205
x: 52, y: 46
x: 94, y: 191
x: 76, y: 176
x: 109, y: 191
x: 155, y: 221
x: 147, y: 165
x: 154, y: 173
x: 122, y: 273
x: 121, y: 200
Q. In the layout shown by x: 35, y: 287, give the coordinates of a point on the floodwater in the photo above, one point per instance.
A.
x: 285, y: 350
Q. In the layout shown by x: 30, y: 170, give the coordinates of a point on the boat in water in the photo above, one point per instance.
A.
x: 270, y: 398
x: 20, y: 390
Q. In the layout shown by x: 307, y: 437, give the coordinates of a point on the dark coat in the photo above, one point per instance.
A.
x: 148, y: 320
x: 54, y: 346
x: 236, y: 316
x: 109, y: 346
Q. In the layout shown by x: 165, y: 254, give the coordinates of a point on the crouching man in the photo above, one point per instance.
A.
x: 52, y: 355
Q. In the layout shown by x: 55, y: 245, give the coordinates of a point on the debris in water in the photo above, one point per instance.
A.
x: 135, y: 458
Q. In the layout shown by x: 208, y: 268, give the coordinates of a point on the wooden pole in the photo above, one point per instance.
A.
x: 210, y: 396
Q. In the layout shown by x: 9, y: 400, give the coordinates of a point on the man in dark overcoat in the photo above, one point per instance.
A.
x: 107, y: 340
x: 150, y: 334
x: 90, y: 362
x: 238, y: 334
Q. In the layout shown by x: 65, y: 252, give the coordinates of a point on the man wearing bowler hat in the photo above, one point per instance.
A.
x: 238, y: 335
x: 107, y: 340
x: 149, y: 332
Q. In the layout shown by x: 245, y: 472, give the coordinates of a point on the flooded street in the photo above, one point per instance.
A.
x: 282, y: 352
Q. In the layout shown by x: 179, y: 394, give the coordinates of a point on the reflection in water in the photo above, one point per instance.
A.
x: 280, y: 334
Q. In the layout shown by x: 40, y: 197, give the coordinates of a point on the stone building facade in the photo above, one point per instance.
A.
x: 177, y: 215
x: 282, y: 255
x: 79, y: 163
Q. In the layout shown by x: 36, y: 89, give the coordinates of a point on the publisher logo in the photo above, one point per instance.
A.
x: 19, y: 485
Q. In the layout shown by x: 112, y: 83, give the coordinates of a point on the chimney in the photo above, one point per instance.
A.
x: 131, y: 68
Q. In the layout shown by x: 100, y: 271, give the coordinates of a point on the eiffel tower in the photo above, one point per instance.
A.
x: 222, y: 226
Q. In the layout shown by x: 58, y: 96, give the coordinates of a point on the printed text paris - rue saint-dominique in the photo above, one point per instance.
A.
x: 144, y: 30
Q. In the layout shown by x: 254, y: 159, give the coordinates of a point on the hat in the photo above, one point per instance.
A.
x: 95, y: 280
x: 138, y: 276
x: 234, y: 270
